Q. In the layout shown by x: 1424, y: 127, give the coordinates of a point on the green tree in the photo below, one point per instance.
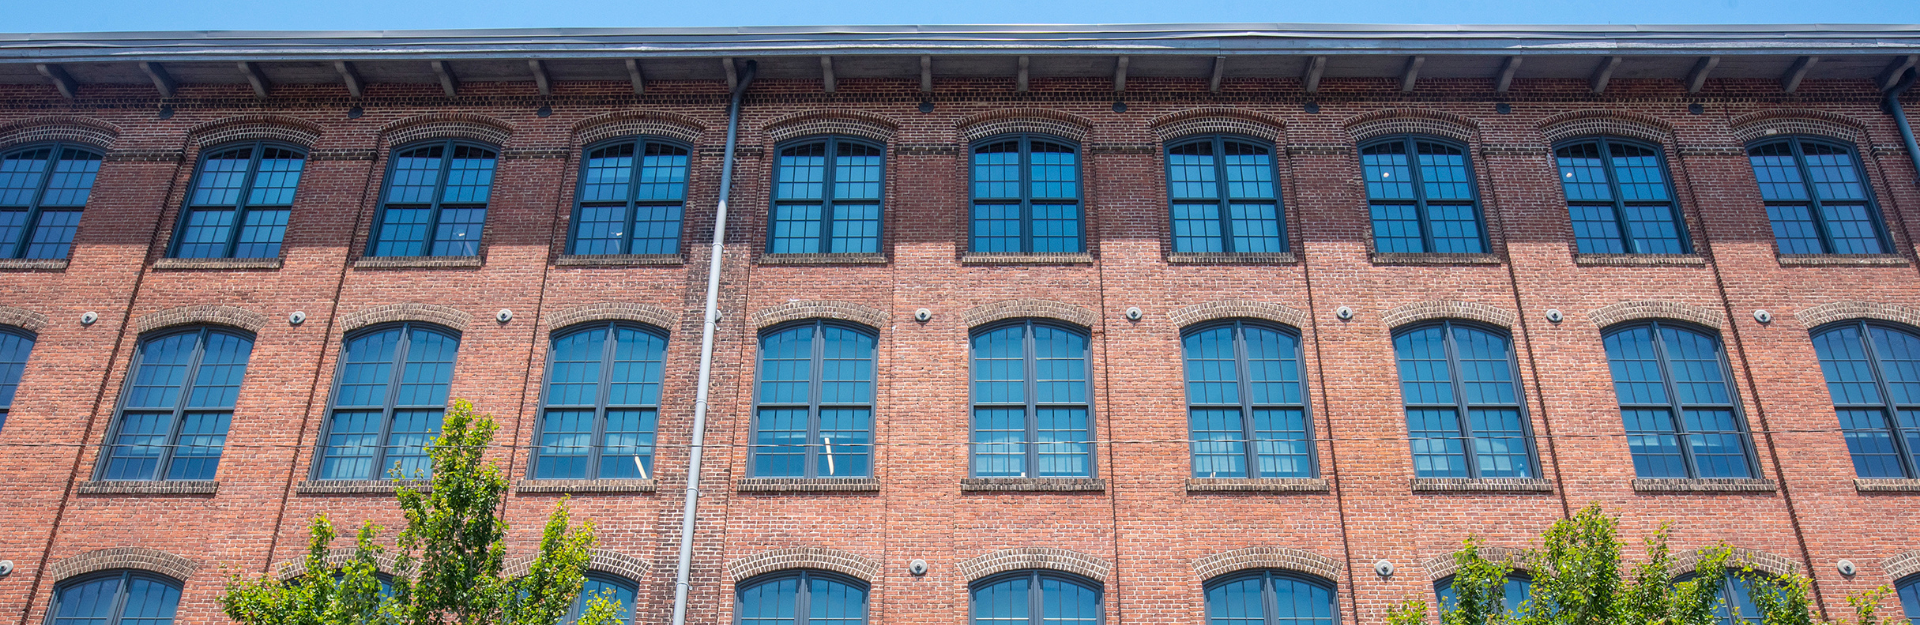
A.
x: 449, y: 561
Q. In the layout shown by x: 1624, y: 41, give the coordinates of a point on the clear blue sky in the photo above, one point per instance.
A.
x: 105, y: 15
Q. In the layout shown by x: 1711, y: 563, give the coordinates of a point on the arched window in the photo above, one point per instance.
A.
x: 603, y: 403
x: 1224, y: 196
x: 1619, y: 199
x: 1679, y: 409
x: 177, y: 406
x: 826, y: 197
x: 241, y: 197
x: 1036, y: 598
x: 802, y: 598
x: 815, y: 404
x: 1735, y: 605
x: 1026, y: 195
x: 1873, y: 374
x: 1032, y: 402
x: 615, y: 589
x: 435, y: 203
x: 1421, y: 193
x: 42, y: 191
x: 632, y: 194
x: 1270, y: 598
x: 1514, y: 593
x: 387, y: 402
x: 1246, y: 402
x: 1465, y: 415
x: 15, y: 346
x: 1817, y: 197
x: 1910, y: 599
x: 116, y: 598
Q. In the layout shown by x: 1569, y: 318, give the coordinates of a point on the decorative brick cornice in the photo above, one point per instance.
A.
x: 1023, y: 308
x: 820, y: 558
x: 1410, y: 121
x: 1023, y: 558
x: 254, y: 128
x: 1003, y: 121
x: 22, y: 318
x: 1217, y: 120
x: 1636, y: 310
x: 452, y: 318
x: 1445, y: 309
x: 831, y: 122
x: 1761, y: 561
x: 1599, y: 122
x: 1824, y: 314
x: 1762, y: 124
x: 233, y: 316
x: 819, y: 309
x: 1238, y: 309
x: 602, y: 560
x: 138, y: 558
x: 445, y: 125
x: 1901, y: 565
x: 383, y: 561
x: 1444, y: 565
x: 638, y: 123
x: 615, y: 311
x: 1280, y: 558
x: 73, y: 128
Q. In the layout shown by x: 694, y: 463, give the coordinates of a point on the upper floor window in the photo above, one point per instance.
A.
x: 1270, y: 598
x: 240, y: 201
x: 615, y: 589
x: 179, y: 401
x: 1676, y: 402
x: 1465, y: 415
x: 1816, y: 197
x: 42, y: 190
x: 802, y: 598
x: 1032, y: 406
x: 1618, y: 198
x: 118, y: 597
x: 826, y: 198
x: 815, y: 413
x: 1420, y: 191
x: 632, y: 194
x: 1873, y: 374
x: 15, y: 347
x: 1036, y: 598
x: 1026, y: 196
x: 1910, y: 599
x: 388, y: 400
x: 603, y: 403
x: 1224, y: 197
x: 1514, y: 593
x: 1246, y: 403
x: 435, y: 202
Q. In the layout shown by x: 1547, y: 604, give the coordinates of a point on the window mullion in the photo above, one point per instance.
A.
x: 1243, y: 372
x: 240, y: 203
x: 1419, y: 197
x: 1026, y: 197
x: 388, y: 411
x: 826, y: 196
x: 815, y: 374
x: 633, y: 197
x: 1033, y: 401
x: 1813, y: 197
x: 800, y: 597
x: 1619, y: 199
x: 439, y: 193
x: 1460, y: 405
x: 1270, y: 598
x: 32, y: 221
x: 120, y: 598
x: 1037, y: 606
x: 1676, y: 411
x: 602, y: 396
x: 179, y: 419
x: 1225, y: 202
x: 1888, y: 410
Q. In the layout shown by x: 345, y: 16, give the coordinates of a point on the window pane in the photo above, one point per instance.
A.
x: 999, y: 449
x: 1237, y: 603
x: 1910, y: 601
x: 663, y: 174
x: 1653, y: 444
x: 72, y: 178
x: 833, y: 603
x: 770, y: 603
x: 1443, y: 172
x: 1191, y: 173
x: 222, y: 175
x: 796, y: 228
x: 1256, y: 228
x: 1718, y: 443
x: 656, y: 230
x: 996, y: 227
x: 1396, y: 228
x: 802, y: 171
x: 403, y: 231
x: 574, y: 377
x: 1219, y: 442
x: 260, y: 236
x: 1280, y: 443
x: 1834, y: 175
x: 1249, y: 171
x: 223, y: 364
x: 600, y: 230
x: 856, y: 229
x: 999, y: 366
x: 621, y: 593
x: 367, y: 369
x: 1196, y: 228
x: 407, y: 443
x: 637, y: 368
x: 1500, y: 442
x: 1456, y: 229
x: 353, y: 436
x: 1438, y: 450
x: 137, y: 448
x: 162, y: 373
x: 996, y: 170
x: 53, y: 236
x: 1055, y: 171
x: 1595, y: 230
x: 87, y: 603
x: 847, y: 366
x: 1695, y: 359
x: 566, y: 438
x: 1062, y: 447
x: 1641, y: 178
x: 1424, y: 377
x: 1003, y: 603
x: 14, y: 350
x: 20, y: 174
x: 201, y: 438
x: 1060, y: 364
x: 469, y: 176
x: 1653, y: 229
x: 781, y: 443
x: 786, y: 366
x: 1582, y: 174
x: 856, y: 173
x: 1636, y: 367
x: 1388, y: 177
x: 1212, y: 375
x: 1851, y: 228
x: 1273, y: 366
x: 277, y: 178
x: 609, y: 174
x: 1302, y: 603
x: 1774, y: 169
x: 1871, y: 444
x: 458, y: 233
x: 428, y: 370
x: 415, y: 173
x: 1056, y: 228
x: 628, y: 451
x: 846, y: 439
x: 1486, y: 371
x: 1066, y: 603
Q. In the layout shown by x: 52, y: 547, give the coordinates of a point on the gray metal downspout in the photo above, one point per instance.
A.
x: 712, y: 322
x: 1900, y: 117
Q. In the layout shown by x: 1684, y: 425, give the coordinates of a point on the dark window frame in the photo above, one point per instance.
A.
x: 1420, y: 200
x: 814, y: 384
x: 578, y: 608
x: 117, y: 614
x: 1675, y: 409
x: 389, y: 405
x: 1442, y: 585
x: 1242, y: 375
x: 1909, y: 585
x: 1460, y: 405
x: 1026, y: 201
x: 1813, y: 202
x: 801, y: 598
x: 1889, y: 409
x: 1269, y: 599
x: 1036, y: 600
x: 241, y: 207
x: 827, y: 198
x: 1032, y: 405
x: 640, y: 143
x: 1728, y: 578
x: 36, y: 204
x: 33, y: 340
x: 437, y: 205
x: 1619, y: 201
x: 605, y: 385
x: 180, y: 408
x: 1224, y: 202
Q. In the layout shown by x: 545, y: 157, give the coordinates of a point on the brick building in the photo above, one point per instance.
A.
x: 1011, y: 302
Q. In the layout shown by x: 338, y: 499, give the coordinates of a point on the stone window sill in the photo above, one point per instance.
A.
x: 190, y: 264
x: 359, y: 487
x: 1886, y: 485
x: 618, y: 260
x: 1639, y: 260
x: 1703, y: 485
x: 823, y: 259
x: 1005, y: 258
x: 180, y: 487
x: 33, y: 264
x: 416, y: 262
x: 807, y: 485
x: 1236, y: 258
x: 1404, y: 258
x: 1481, y: 485
x: 1033, y: 484
x: 585, y: 486
x: 1256, y: 485
x: 1842, y: 260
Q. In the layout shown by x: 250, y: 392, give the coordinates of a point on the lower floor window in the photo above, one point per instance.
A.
x: 803, y: 598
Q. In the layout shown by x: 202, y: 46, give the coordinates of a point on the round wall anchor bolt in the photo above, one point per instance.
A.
x: 1846, y: 567
x: 296, y: 318
x: 1344, y: 313
x: 917, y: 567
x: 923, y: 315
x: 1555, y: 316
x: 1134, y: 314
x: 87, y: 318
x: 1383, y: 568
x: 503, y: 316
x: 1763, y: 316
x: 6, y: 568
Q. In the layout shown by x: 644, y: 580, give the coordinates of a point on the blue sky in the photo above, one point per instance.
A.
x: 105, y: 15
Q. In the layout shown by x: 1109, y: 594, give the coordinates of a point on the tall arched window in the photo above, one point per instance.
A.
x: 1735, y: 605
x: 805, y: 597
x: 815, y: 404
x: 616, y: 589
x: 435, y: 203
x: 602, y: 403
x: 116, y: 598
x: 1270, y: 598
x: 1910, y: 599
x: 387, y: 402
x: 826, y: 197
x: 1036, y: 598
x: 1514, y: 593
x: 1873, y: 374
x: 241, y: 197
x: 632, y: 194
x: 1679, y: 409
x: 1026, y: 196
x: 1224, y: 195
x: 15, y: 346
x: 42, y: 191
x: 1465, y: 414
x: 1246, y: 402
x: 1817, y: 197
x: 1619, y: 199
x: 1032, y: 402
x: 177, y: 406
x: 1422, y: 196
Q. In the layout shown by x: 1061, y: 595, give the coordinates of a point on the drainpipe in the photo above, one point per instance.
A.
x: 1900, y: 117
x: 712, y: 322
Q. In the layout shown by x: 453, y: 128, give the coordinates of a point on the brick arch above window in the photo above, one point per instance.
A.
x: 1824, y: 314
x: 1762, y: 561
x: 615, y: 311
x: 1281, y: 558
x: 1902, y: 564
x: 179, y: 568
x: 1214, y: 120
x: 1447, y: 309
x: 1599, y: 122
x: 1444, y: 565
x: 253, y: 128
x: 831, y: 122
x: 1025, y: 558
x: 214, y: 314
x: 601, y: 560
x: 73, y: 128
x: 453, y: 318
x: 1622, y: 312
x: 821, y: 558
x: 448, y: 125
x: 634, y: 123
x: 1410, y: 122
x: 819, y: 309
x: 22, y: 318
x: 1238, y: 309
x: 337, y: 557
x: 1028, y: 308
x: 1042, y: 121
x: 1762, y: 124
